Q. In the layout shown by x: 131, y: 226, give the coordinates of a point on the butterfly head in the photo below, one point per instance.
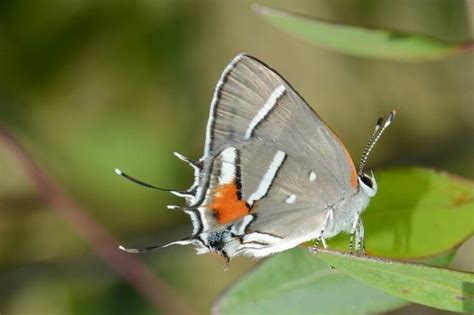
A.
x: 368, y: 184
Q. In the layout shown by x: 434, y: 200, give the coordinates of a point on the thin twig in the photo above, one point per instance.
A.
x: 127, y: 266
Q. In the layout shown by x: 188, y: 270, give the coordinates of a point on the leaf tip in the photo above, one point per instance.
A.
x: 216, y: 308
x: 263, y: 10
x: 255, y: 7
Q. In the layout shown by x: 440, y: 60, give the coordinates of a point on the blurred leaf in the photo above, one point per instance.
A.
x: 420, y: 212
x: 417, y: 212
x: 293, y: 282
x: 363, y: 42
x: 442, y: 260
x: 441, y: 288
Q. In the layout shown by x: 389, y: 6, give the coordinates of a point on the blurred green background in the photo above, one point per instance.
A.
x: 92, y: 85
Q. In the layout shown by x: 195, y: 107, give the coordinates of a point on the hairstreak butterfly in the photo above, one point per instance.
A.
x: 273, y: 175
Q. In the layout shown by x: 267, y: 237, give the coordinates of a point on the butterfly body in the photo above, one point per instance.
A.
x: 273, y: 175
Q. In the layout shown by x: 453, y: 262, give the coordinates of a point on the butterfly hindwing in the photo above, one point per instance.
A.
x: 286, y: 189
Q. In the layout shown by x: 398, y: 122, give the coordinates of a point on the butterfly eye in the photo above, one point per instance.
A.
x: 367, y: 181
x: 368, y: 184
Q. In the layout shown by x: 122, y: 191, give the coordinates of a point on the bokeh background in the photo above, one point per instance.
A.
x: 88, y: 86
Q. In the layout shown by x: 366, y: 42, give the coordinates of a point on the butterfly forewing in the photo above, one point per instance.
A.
x: 252, y: 101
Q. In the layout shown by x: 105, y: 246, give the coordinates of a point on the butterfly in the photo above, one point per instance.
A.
x: 273, y: 175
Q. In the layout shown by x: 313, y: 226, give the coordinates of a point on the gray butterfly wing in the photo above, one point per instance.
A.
x: 294, y: 199
x: 252, y: 101
x: 290, y: 167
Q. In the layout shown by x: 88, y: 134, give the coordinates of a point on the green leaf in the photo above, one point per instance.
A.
x: 363, y: 42
x: 416, y: 212
x: 293, y: 282
x: 436, y: 287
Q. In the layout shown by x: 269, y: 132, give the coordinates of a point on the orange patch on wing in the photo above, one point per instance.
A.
x: 354, y: 181
x: 226, y: 205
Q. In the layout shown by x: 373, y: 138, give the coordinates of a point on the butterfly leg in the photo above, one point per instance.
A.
x: 323, y: 240
x: 329, y: 218
x: 360, y: 237
x: 353, y: 230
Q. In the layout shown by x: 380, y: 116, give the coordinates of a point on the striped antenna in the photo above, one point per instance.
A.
x: 378, y: 131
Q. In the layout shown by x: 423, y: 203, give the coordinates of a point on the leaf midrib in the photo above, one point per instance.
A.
x: 412, y: 278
